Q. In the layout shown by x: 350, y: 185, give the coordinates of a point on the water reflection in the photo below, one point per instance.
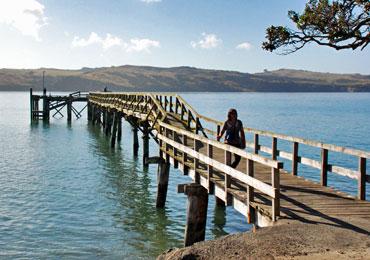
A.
x: 134, y: 191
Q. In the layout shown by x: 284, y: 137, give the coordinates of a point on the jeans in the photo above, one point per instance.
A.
x: 237, y: 159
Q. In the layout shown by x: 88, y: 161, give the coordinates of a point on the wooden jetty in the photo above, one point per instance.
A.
x: 42, y: 105
x: 262, y: 188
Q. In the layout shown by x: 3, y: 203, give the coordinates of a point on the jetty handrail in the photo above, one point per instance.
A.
x: 195, y: 121
x: 272, y: 191
x: 144, y: 103
x: 174, y: 104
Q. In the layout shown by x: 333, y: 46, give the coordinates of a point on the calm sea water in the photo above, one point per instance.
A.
x: 64, y: 193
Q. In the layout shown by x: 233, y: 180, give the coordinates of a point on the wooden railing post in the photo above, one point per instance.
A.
x: 228, y: 197
x: 165, y: 103
x: 184, y: 155
x: 190, y: 115
x: 275, y: 181
x: 171, y: 110
x: 196, y: 161
x: 324, y: 167
x: 176, y: 163
x: 182, y: 112
x: 362, y: 178
x: 177, y: 106
x: 210, y: 185
x: 256, y: 143
x: 295, y: 158
x: 114, y: 129
x: 250, y: 193
x: 274, y: 148
x: 197, y: 125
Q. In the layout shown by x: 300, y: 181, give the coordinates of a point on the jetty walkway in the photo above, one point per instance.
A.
x: 262, y: 187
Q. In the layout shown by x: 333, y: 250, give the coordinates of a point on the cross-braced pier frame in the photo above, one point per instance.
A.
x: 42, y: 106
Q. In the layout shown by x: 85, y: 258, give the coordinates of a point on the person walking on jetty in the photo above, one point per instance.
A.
x: 234, y: 135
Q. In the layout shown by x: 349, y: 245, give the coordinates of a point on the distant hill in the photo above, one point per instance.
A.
x: 181, y: 79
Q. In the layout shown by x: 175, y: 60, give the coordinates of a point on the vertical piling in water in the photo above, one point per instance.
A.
x: 31, y: 104
x: 46, y: 109
x: 104, y: 121
x: 145, y: 144
x: 89, y: 115
x: 162, y: 182
x: 119, y: 130
x: 114, y: 130
x: 196, y: 214
x: 69, y: 109
x: 135, y: 139
x: 220, y: 203
x: 93, y: 114
x: 108, y: 123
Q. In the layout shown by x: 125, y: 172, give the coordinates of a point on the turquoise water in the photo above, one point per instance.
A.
x: 64, y: 193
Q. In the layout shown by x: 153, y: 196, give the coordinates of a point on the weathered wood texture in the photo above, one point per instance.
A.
x: 259, y: 184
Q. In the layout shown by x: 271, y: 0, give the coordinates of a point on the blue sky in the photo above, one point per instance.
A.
x: 214, y: 34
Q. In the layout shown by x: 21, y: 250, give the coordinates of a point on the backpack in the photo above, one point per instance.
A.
x: 231, y: 135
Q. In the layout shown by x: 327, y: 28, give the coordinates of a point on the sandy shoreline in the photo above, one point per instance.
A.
x: 288, y: 240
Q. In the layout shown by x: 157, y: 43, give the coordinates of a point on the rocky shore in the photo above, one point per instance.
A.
x: 288, y: 240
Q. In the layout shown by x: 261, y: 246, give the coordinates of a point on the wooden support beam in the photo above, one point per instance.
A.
x: 211, y: 185
x: 145, y: 143
x: 275, y: 181
x: 153, y: 160
x: 196, y: 214
x: 274, y: 148
x: 69, y: 110
x: 104, y: 121
x: 220, y: 203
x: 184, y: 155
x: 93, y: 114
x: 256, y: 143
x: 46, y: 108
x: 295, y: 158
x: 362, y: 178
x: 197, y: 125
x: 119, y: 130
x: 250, y: 193
x: 162, y: 182
x: 108, y: 124
x: 89, y: 111
x: 135, y: 139
x: 324, y: 167
x: 196, y: 161
x: 114, y: 130
x: 228, y: 197
x: 31, y: 105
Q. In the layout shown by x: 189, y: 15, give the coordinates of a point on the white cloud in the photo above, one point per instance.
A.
x: 209, y: 41
x: 135, y: 45
x: 26, y: 16
x: 244, y: 46
x: 111, y: 41
x: 139, y: 45
x: 151, y: 1
x: 94, y: 38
